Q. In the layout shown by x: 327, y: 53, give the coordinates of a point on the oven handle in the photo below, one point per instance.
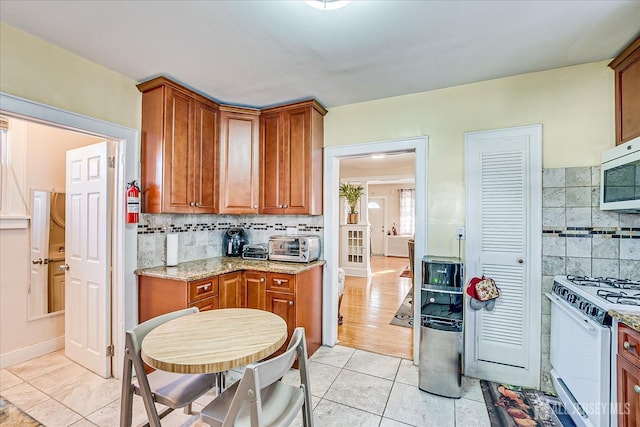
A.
x: 581, y: 320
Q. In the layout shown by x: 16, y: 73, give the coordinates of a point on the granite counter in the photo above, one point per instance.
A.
x: 630, y: 319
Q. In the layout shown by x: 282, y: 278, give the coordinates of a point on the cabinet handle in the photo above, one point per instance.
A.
x: 203, y: 288
x: 626, y: 345
x: 636, y: 388
x: 291, y: 303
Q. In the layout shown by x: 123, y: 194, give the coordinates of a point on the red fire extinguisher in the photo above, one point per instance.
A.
x: 133, y: 203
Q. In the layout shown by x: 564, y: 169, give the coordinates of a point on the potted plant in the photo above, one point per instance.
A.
x: 352, y: 194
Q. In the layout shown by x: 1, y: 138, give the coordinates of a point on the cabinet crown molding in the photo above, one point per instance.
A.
x: 164, y: 81
x: 622, y: 56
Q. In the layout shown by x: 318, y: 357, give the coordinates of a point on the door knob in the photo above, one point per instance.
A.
x: 64, y: 267
x: 36, y: 261
x: 520, y: 261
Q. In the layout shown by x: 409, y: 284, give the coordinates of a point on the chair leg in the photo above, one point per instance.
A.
x: 126, y: 398
x: 188, y: 410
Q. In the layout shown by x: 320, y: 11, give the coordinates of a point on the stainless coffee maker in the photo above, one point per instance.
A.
x: 233, y: 240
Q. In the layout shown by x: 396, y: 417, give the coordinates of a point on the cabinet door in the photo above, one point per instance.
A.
x: 271, y: 170
x: 297, y: 158
x: 256, y: 285
x: 231, y: 288
x: 205, y: 159
x: 178, y: 157
x: 284, y: 306
x: 628, y: 393
x: 239, y: 151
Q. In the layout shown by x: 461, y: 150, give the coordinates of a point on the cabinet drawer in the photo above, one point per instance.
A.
x: 281, y: 282
x: 629, y: 344
x: 203, y: 289
x: 206, y: 304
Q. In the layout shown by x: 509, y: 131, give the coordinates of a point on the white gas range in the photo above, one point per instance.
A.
x: 581, y: 343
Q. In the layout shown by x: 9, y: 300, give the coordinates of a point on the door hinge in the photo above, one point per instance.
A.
x: 110, y: 350
x: 111, y: 162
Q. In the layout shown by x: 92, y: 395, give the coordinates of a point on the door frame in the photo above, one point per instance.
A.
x: 124, y: 237
x: 474, y: 367
x: 385, y: 218
x: 332, y: 156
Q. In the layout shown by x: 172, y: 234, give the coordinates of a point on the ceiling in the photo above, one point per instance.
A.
x: 263, y: 52
x: 393, y: 166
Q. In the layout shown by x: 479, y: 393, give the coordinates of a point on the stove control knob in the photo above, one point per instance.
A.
x: 586, y: 308
x: 595, y: 311
x: 571, y: 298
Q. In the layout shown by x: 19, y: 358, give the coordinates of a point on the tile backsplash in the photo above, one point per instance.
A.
x: 200, y: 236
x: 580, y: 239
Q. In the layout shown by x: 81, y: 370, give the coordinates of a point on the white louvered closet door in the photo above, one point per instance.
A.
x: 503, y: 221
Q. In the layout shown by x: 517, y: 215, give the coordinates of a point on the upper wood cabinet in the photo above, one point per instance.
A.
x: 239, y: 160
x: 291, y: 140
x: 179, y: 149
x: 627, y: 90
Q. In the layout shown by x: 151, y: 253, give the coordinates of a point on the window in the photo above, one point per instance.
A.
x: 407, y: 211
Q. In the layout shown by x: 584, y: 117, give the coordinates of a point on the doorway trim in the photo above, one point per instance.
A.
x: 332, y: 156
x: 124, y: 236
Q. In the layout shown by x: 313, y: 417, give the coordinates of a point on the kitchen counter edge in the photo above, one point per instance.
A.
x: 630, y: 319
x: 203, y: 268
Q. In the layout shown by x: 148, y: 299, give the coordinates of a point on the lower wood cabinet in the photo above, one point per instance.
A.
x: 628, y: 373
x: 297, y: 298
x: 255, y: 283
x: 232, y: 290
x: 159, y: 296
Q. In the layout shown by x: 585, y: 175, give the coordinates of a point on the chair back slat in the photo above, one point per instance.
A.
x: 270, y: 371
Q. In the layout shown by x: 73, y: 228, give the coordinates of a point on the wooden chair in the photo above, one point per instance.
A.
x: 260, y: 399
x: 411, y: 244
x: 166, y: 388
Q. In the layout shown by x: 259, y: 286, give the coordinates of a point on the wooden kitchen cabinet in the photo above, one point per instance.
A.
x: 297, y: 298
x: 628, y: 376
x: 239, y: 160
x: 158, y: 296
x: 256, y: 286
x: 627, y: 92
x: 232, y: 290
x: 291, y: 141
x: 180, y: 153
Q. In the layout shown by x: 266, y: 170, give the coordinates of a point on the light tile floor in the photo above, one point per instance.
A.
x: 349, y: 387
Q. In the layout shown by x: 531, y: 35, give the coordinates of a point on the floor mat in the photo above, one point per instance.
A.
x: 10, y: 415
x: 512, y: 406
x: 404, y: 315
x: 406, y: 273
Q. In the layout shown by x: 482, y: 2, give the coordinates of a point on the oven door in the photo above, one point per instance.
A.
x: 581, y: 360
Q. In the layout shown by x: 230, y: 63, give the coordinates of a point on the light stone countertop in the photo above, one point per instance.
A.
x: 203, y: 268
x: 630, y: 319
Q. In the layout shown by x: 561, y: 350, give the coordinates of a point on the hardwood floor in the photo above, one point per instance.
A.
x: 369, y: 304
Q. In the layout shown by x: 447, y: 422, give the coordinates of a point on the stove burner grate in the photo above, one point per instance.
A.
x: 620, y: 297
x: 604, y: 282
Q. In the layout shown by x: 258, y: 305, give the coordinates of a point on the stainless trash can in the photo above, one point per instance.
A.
x: 440, y: 369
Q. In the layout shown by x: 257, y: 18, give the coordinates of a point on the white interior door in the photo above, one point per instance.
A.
x: 87, y: 281
x: 376, y: 220
x: 504, y: 187
x: 39, y: 254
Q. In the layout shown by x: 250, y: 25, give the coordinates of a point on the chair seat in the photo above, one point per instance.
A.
x: 280, y: 405
x: 178, y: 390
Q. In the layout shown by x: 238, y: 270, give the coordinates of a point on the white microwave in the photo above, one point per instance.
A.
x: 620, y: 178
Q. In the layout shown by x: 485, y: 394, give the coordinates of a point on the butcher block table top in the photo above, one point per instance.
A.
x: 214, y: 341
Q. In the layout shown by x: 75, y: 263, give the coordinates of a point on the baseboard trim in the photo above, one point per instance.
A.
x: 31, y: 352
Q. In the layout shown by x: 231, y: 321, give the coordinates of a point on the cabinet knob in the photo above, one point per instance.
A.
x: 192, y: 204
x: 636, y: 388
x: 286, y: 206
x: 197, y: 204
x: 291, y: 303
x: 255, y: 206
x: 626, y: 345
x: 262, y: 279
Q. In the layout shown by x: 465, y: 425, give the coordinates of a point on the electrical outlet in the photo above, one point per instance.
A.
x: 461, y: 233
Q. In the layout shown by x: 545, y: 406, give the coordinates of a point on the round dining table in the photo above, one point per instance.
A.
x: 214, y: 341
